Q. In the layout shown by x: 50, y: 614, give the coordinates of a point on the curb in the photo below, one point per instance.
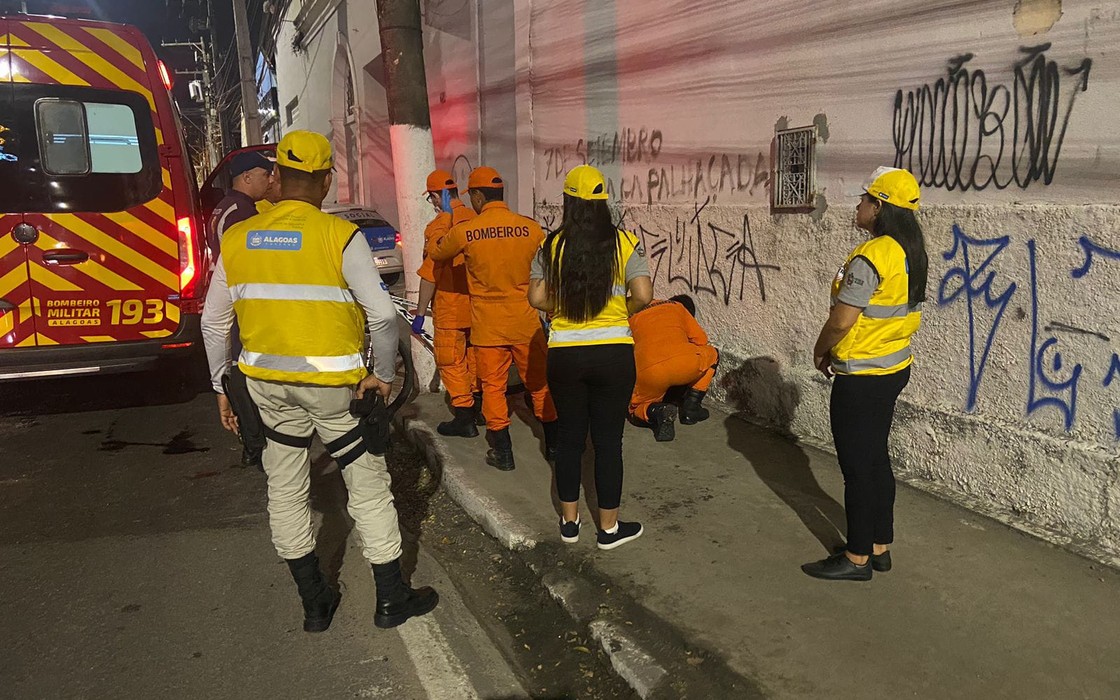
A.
x: 577, y: 594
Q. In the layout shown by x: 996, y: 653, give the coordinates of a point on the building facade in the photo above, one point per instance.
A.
x: 735, y: 136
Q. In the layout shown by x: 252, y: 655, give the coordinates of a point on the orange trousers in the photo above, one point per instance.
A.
x: 455, y: 360
x: 493, y: 370
x: 693, y: 369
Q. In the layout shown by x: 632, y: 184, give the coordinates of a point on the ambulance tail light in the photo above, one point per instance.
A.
x: 165, y: 75
x: 189, y: 264
x: 397, y: 237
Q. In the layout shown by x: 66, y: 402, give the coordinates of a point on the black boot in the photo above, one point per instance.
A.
x: 479, y: 419
x: 661, y: 418
x: 462, y: 425
x: 551, y: 439
x: 319, y: 599
x: 500, y: 455
x: 691, y: 410
x: 396, y: 600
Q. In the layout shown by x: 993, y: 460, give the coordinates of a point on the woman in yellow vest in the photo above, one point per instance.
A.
x: 876, y: 306
x: 590, y: 276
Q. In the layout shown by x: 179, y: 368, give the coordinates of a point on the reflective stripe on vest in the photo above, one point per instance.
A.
x: 580, y: 336
x: 879, y: 342
x: 288, y: 363
x: 291, y: 292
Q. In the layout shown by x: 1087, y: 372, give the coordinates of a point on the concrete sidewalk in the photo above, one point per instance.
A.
x: 972, y: 608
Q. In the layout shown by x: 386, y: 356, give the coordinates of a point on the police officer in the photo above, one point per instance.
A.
x: 498, y: 246
x: 446, y: 281
x: 876, y: 307
x: 298, y: 281
x: 251, y: 179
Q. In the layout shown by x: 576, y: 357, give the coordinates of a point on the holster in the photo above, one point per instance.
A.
x: 251, y: 427
x: 373, y: 416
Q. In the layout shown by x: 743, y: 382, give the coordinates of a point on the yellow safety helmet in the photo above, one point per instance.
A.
x: 585, y: 182
x: 895, y: 186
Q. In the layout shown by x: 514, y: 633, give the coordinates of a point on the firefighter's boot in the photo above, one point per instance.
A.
x: 500, y: 455
x: 479, y: 419
x: 462, y: 425
x: 691, y: 410
x: 319, y: 599
x: 661, y: 419
x: 396, y: 600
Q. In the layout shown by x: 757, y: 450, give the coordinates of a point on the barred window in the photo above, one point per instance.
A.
x: 794, y: 178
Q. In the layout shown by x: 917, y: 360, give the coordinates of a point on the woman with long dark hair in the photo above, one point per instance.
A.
x: 876, y: 306
x: 590, y: 276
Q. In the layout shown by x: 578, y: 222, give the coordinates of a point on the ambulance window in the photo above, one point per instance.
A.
x: 114, y: 146
x: 62, y: 136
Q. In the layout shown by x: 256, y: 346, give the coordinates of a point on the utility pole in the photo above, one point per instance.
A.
x: 213, y: 129
x: 248, y: 74
x: 410, y: 135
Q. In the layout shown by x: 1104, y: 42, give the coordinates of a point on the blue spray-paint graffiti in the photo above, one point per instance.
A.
x: 1052, y: 381
x: 976, y: 284
x: 1044, y: 353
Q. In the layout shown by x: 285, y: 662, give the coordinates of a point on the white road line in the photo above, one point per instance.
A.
x: 437, y: 667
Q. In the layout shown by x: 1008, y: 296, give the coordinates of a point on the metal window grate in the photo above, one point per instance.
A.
x: 795, y: 169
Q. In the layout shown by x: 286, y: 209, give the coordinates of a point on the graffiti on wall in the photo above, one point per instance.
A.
x: 1053, y: 381
x: 707, y: 258
x: 656, y: 177
x: 963, y: 133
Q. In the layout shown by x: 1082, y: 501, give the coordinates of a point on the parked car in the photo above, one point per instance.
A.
x: 383, y: 238
x: 102, y: 261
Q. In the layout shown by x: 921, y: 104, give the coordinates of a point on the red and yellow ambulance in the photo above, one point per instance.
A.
x: 102, y: 265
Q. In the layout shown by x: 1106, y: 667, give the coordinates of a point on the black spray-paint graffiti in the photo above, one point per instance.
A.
x: 666, y: 179
x: 962, y: 133
x: 707, y: 259
x: 1052, y: 380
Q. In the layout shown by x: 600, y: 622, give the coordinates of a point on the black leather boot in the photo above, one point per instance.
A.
x: 500, y: 455
x: 551, y: 439
x: 691, y: 410
x: 661, y: 419
x: 396, y: 600
x: 479, y: 419
x: 319, y: 599
x: 462, y: 425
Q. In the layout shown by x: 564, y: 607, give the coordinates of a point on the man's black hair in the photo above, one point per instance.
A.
x: 491, y: 194
x: 687, y: 302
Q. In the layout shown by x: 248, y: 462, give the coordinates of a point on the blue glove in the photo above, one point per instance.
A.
x: 418, y: 325
x: 445, y: 201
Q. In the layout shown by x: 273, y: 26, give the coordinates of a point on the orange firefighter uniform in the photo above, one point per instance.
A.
x: 451, y: 310
x: 670, y: 349
x: 498, y: 246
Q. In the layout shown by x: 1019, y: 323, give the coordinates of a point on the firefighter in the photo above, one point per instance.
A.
x: 447, y: 282
x: 670, y: 350
x: 298, y: 282
x: 498, y: 246
x: 865, y: 344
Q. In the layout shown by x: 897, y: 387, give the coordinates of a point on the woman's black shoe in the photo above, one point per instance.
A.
x: 879, y: 562
x: 838, y: 567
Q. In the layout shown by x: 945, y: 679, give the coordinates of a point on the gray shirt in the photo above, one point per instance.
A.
x: 861, y: 279
x: 365, y: 284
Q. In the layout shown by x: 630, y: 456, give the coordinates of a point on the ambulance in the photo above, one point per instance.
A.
x: 102, y: 262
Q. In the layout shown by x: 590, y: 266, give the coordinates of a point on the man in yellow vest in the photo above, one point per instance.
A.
x: 298, y: 281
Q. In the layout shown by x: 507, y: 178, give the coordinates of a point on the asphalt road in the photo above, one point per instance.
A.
x: 137, y: 563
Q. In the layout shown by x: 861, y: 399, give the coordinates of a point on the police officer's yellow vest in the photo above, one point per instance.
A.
x: 612, y: 324
x: 879, y: 342
x: 299, y: 321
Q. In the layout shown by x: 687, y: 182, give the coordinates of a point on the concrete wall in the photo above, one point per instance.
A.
x: 1012, y: 409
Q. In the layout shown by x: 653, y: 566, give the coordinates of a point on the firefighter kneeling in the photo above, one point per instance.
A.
x: 671, y: 350
x: 298, y: 281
